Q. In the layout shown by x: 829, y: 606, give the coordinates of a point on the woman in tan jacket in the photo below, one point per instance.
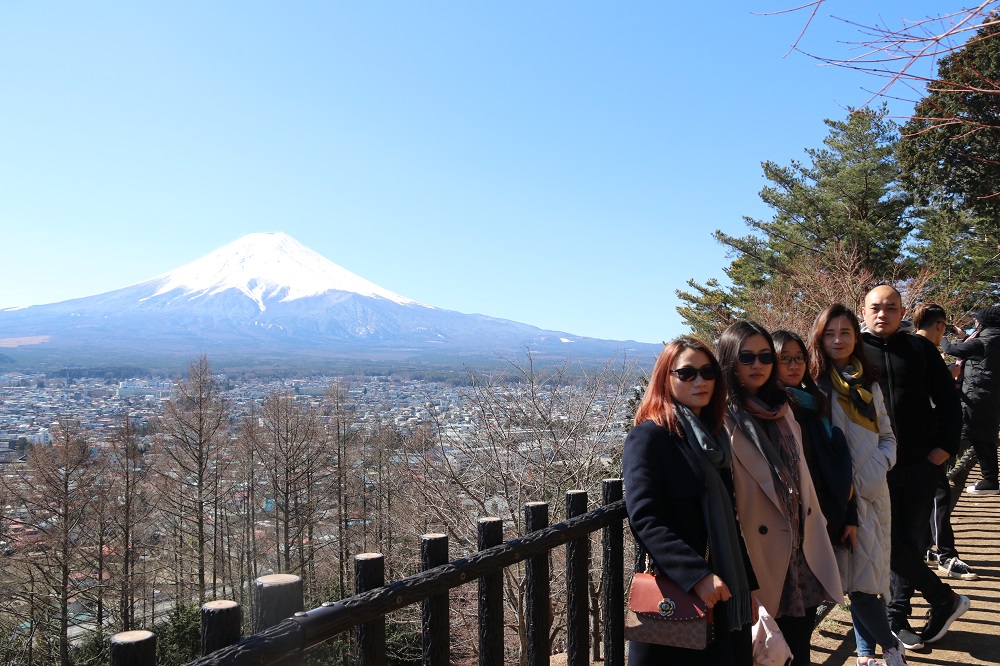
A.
x: 777, y: 506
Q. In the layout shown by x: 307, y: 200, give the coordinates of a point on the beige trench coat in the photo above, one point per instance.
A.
x: 765, y: 529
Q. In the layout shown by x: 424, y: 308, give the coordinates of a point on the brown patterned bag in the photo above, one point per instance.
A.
x: 660, y: 612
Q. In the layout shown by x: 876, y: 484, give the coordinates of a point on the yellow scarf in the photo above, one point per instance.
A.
x: 853, y: 397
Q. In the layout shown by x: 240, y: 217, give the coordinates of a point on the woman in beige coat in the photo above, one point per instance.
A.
x: 776, y: 504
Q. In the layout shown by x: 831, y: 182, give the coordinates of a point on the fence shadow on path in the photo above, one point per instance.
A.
x: 975, y: 637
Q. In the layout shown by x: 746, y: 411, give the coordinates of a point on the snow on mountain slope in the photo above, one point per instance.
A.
x: 264, y: 266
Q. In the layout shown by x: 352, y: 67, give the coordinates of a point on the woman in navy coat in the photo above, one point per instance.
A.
x: 679, y: 493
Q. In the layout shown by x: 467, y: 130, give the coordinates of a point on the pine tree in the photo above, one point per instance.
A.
x: 842, y: 207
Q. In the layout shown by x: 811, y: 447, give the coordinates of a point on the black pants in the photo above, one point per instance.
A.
x: 911, y: 490
x: 986, y: 451
x: 942, y: 535
x: 798, y: 634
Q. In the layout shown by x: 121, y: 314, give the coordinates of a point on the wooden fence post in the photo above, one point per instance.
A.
x: 133, y: 648
x: 490, y: 598
x: 577, y: 577
x: 537, y: 612
x: 369, y: 573
x: 613, y: 575
x: 276, y: 597
x: 221, y: 625
x: 435, y: 610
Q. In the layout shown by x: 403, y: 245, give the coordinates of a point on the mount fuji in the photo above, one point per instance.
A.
x: 267, y: 298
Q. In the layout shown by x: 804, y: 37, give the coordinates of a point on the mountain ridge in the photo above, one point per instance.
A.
x: 267, y: 294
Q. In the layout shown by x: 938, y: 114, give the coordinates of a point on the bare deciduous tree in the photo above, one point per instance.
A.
x: 534, y: 432
x: 904, y: 56
x: 191, y: 434
x: 53, y: 495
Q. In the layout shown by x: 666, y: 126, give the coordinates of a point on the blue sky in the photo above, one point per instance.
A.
x: 557, y: 163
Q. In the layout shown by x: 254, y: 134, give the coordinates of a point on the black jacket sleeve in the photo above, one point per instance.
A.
x: 663, y: 495
x: 973, y: 348
x: 947, y: 400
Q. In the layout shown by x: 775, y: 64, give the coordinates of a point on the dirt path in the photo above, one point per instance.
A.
x: 975, y: 637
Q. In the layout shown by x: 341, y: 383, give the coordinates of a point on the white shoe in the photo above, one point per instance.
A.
x: 894, y: 657
x: 867, y: 661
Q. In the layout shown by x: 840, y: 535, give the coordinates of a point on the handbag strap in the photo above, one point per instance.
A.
x: 646, y: 563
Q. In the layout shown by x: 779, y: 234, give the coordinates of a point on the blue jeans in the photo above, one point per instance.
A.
x: 871, y: 626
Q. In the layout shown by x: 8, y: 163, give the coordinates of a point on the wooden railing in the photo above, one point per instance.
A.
x: 366, y: 610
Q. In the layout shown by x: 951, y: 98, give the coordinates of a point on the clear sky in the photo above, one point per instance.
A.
x: 558, y: 163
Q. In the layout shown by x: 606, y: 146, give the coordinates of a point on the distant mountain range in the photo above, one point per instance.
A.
x: 268, y: 299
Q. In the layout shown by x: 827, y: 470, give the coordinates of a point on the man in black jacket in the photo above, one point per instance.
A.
x: 980, y: 355
x: 926, y: 416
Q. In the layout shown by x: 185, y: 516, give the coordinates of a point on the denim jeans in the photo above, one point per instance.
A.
x: 871, y: 626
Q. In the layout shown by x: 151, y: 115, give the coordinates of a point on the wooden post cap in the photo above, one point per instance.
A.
x: 219, y: 604
x: 135, y: 636
x: 277, y: 579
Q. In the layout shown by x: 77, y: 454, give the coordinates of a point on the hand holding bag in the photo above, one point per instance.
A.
x: 660, y: 612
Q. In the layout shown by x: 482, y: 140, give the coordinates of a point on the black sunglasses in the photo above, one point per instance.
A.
x: 747, y: 358
x: 688, y: 373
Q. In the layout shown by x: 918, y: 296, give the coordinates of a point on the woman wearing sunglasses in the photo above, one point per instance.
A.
x: 844, y: 373
x: 679, y: 494
x: 777, y: 505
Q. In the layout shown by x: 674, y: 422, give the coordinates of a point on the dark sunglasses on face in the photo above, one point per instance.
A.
x: 747, y: 358
x: 688, y: 373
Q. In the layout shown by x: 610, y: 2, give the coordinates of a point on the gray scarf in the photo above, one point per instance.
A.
x: 716, y: 456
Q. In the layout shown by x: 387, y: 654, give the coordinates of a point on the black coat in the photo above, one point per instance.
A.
x: 920, y: 395
x: 664, y: 483
x: 980, y: 383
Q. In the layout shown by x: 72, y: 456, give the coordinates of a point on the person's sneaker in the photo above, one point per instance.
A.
x: 956, y: 568
x: 908, y: 639
x: 941, y: 617
x: 867, y: 661
x: 931, y: 557
x: 894, y: 657
x: 984, y: 487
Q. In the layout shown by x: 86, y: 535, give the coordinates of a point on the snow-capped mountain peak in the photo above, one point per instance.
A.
x: 265, y: 265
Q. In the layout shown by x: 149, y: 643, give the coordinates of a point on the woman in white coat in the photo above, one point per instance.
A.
x: 844, y: 374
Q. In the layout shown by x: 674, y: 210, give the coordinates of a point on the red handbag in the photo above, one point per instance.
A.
x: 660, y: 612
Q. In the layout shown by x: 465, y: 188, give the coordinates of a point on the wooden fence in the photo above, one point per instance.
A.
x: 284, y: 640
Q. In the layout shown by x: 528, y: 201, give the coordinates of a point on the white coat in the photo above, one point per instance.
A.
x: 872, y: 455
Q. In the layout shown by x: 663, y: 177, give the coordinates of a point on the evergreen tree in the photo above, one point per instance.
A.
x: 948, y: 152
x: 842, y: 209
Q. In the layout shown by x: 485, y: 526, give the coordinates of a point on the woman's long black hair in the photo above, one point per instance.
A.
x: 781, y: 338
x: 730, y: 342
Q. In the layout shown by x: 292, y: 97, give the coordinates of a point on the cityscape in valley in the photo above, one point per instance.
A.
x: 132, y: 501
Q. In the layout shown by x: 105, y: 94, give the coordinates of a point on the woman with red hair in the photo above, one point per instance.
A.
x: 679, y: 493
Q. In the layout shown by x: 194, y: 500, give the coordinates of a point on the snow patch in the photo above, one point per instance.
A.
x: 263, y: 265
x: 566, y: 340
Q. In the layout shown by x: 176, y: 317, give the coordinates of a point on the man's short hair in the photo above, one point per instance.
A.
x: 929, y: 314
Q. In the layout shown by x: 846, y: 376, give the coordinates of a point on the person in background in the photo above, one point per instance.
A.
x: 777, y: 505
x: 845, y: 376
x: 931, y: 321
x: 913, y: 377
x: 980, y: 356
x: 679, y: 494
